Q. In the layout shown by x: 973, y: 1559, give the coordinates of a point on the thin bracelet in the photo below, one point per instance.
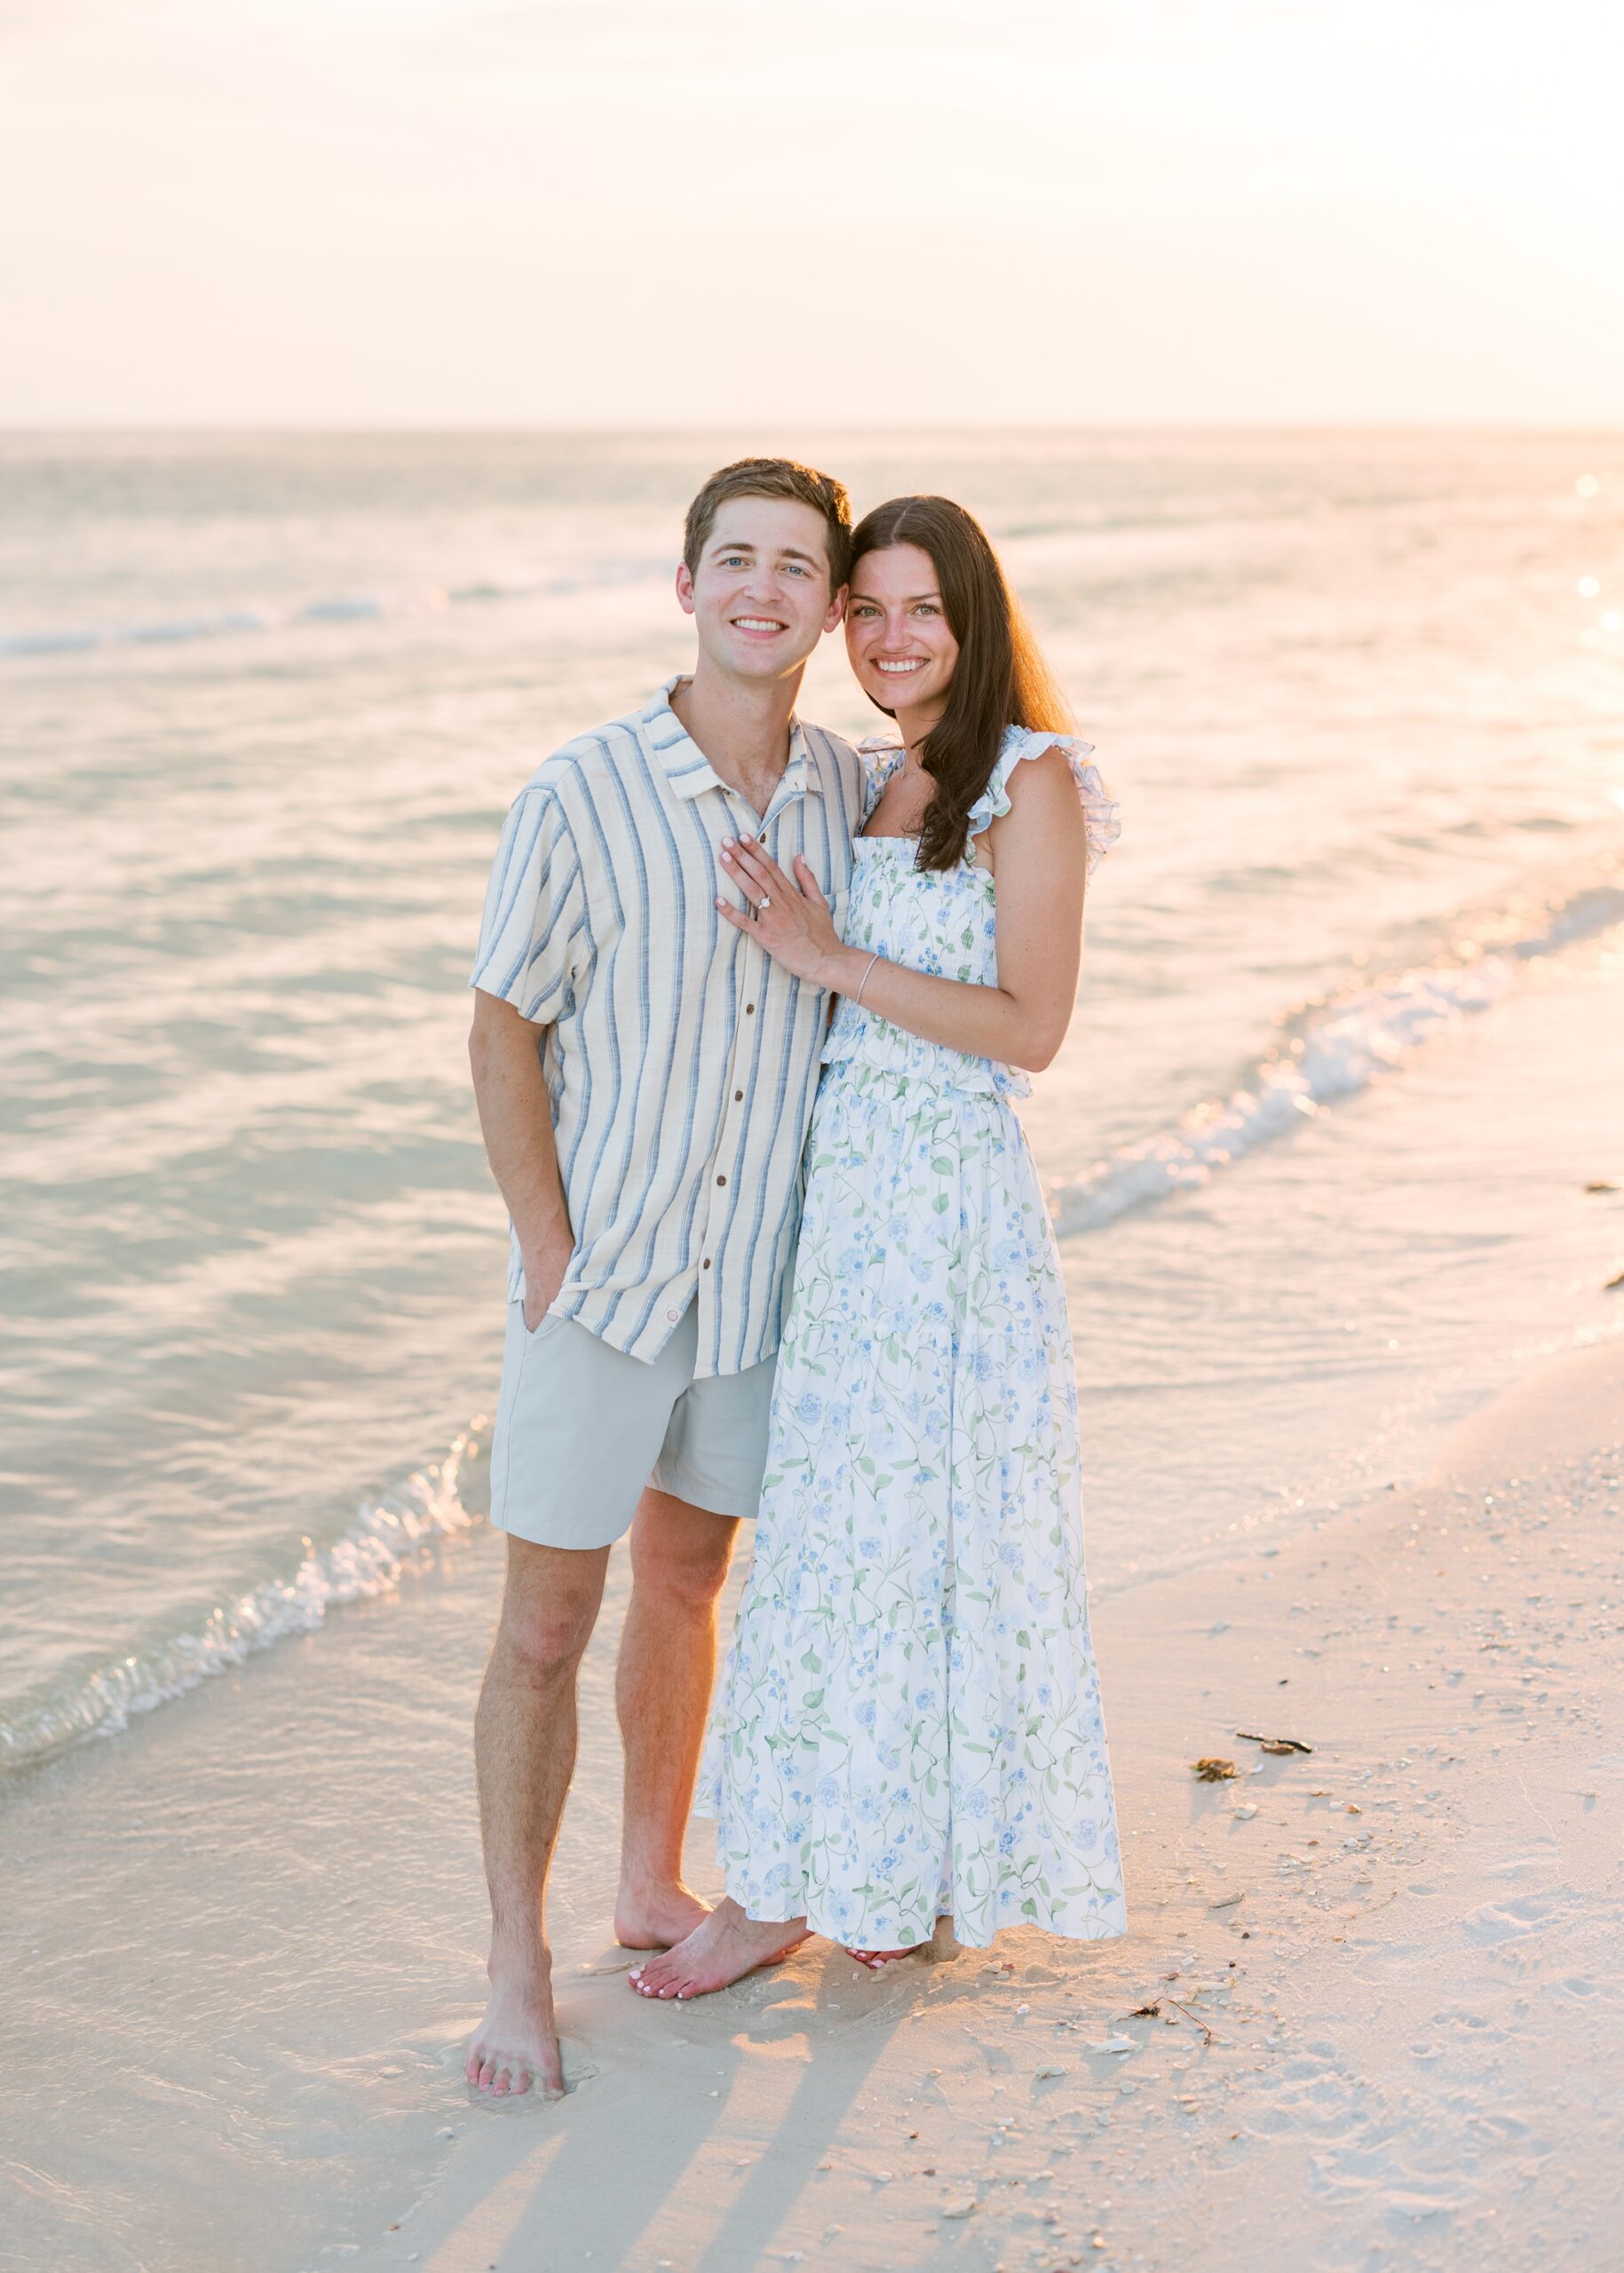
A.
x: 863, y: 981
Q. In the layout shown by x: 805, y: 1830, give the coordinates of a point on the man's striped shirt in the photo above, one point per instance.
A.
x: 680, y: 1059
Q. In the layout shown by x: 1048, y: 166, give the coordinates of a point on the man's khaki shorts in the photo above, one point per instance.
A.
x: 581, y: 1428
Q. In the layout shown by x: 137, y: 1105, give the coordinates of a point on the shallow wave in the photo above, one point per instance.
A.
x: 388, y: 1538
x: 1327, y: 1051
x: 342, y: 607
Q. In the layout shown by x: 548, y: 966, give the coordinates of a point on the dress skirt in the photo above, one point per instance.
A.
x: 909, y: 1720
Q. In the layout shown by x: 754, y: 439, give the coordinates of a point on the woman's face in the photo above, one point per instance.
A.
x: 897, y: 634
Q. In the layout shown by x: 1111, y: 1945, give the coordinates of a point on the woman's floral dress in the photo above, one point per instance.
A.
x: 909, y: 1720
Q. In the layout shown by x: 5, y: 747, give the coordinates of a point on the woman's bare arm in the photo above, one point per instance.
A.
x: 1039, y: 853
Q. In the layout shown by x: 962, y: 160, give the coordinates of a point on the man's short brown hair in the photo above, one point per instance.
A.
x: 774, y: 478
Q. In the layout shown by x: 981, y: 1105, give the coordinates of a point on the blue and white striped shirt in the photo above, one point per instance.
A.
x: 680, y: 1059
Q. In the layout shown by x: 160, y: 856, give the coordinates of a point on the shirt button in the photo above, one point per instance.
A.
x: 706, y: 1264
x: 737, y: 1096
x: 671, y: 1314
x: 721, y: 1179
x: 749, y: 1010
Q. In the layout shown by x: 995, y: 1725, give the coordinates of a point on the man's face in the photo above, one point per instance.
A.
x: 761, y: 599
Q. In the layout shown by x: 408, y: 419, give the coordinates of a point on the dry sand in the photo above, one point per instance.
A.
x: 1385, y: 2020
x: 242, y: 1947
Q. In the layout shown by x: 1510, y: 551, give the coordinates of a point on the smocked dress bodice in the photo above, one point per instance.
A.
x: 944, y: 922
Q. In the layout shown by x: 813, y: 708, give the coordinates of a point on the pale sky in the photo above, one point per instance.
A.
x: 886, y: 212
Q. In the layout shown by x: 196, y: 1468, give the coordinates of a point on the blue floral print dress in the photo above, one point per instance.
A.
x: 909, y: 1720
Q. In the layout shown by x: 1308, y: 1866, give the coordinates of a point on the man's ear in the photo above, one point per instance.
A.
x: 837, y: 608
x: 684, y: 588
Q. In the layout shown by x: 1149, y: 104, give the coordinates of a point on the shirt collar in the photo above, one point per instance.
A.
x: 688, y: 770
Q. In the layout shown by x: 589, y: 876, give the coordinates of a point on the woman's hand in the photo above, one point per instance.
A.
x: 794, y: 925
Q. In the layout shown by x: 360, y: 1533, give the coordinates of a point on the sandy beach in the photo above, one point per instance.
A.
x: 1368, y: 2013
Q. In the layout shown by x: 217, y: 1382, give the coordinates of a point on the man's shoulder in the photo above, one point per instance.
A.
x: 577, y: 767
x: 833, y: 751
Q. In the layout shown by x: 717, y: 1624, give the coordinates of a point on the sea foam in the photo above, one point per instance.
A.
x: 389, y: 1537
x: 1328, y: 1050
x: 342, y: 607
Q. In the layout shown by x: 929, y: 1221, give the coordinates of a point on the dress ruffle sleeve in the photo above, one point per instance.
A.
x: 881, y: 754
x: 1100, y: 807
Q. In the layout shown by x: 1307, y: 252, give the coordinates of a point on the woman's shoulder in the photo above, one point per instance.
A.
x: 881, y: 754
x: 1100, y: 807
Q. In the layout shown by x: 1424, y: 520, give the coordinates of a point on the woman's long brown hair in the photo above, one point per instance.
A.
x: 999, y: 678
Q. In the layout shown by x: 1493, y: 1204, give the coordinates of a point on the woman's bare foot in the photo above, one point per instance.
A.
x: 516, y: 2043
x: 877, y: 1961
x: 653, y: 1917
x: 723, y: 1949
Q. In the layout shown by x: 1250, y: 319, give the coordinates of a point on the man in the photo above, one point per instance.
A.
x: 644, y: 1077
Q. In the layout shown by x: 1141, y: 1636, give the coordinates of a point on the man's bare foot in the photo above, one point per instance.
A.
x: 723, y: 1949
x: 516, y: 2043
x: 877, y: 1961
x: 653, y: 1917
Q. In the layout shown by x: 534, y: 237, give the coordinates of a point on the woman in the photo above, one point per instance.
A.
x: 909, y: 1726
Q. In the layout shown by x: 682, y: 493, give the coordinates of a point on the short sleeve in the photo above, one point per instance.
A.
x: 534, y: 934
x: 1100, y: 807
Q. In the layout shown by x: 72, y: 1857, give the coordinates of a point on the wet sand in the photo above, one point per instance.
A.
x: 1389, y: 2029
x: 1386, y: 2022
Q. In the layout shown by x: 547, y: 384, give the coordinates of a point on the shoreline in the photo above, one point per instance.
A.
x: 1403, y: 1944
x: 1401, y: 1999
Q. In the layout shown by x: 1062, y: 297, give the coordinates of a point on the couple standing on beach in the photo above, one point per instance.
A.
x: 727, y: 960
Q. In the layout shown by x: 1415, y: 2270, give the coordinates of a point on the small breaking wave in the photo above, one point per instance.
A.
x: 388, y: 1538
x: 1327, y: 1051
x: 341, y: 608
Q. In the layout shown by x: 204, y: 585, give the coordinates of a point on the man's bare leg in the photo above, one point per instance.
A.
x: 524, y: 1754
x: 668, y: 1662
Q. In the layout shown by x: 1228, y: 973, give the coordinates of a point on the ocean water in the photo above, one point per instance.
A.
x: 263, y: 702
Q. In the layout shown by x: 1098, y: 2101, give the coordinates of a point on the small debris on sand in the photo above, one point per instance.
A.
x: 1274, y: 1744
x: 1213, y: 1771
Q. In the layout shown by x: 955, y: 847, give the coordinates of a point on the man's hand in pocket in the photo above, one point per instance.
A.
x: 545, y: 1269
